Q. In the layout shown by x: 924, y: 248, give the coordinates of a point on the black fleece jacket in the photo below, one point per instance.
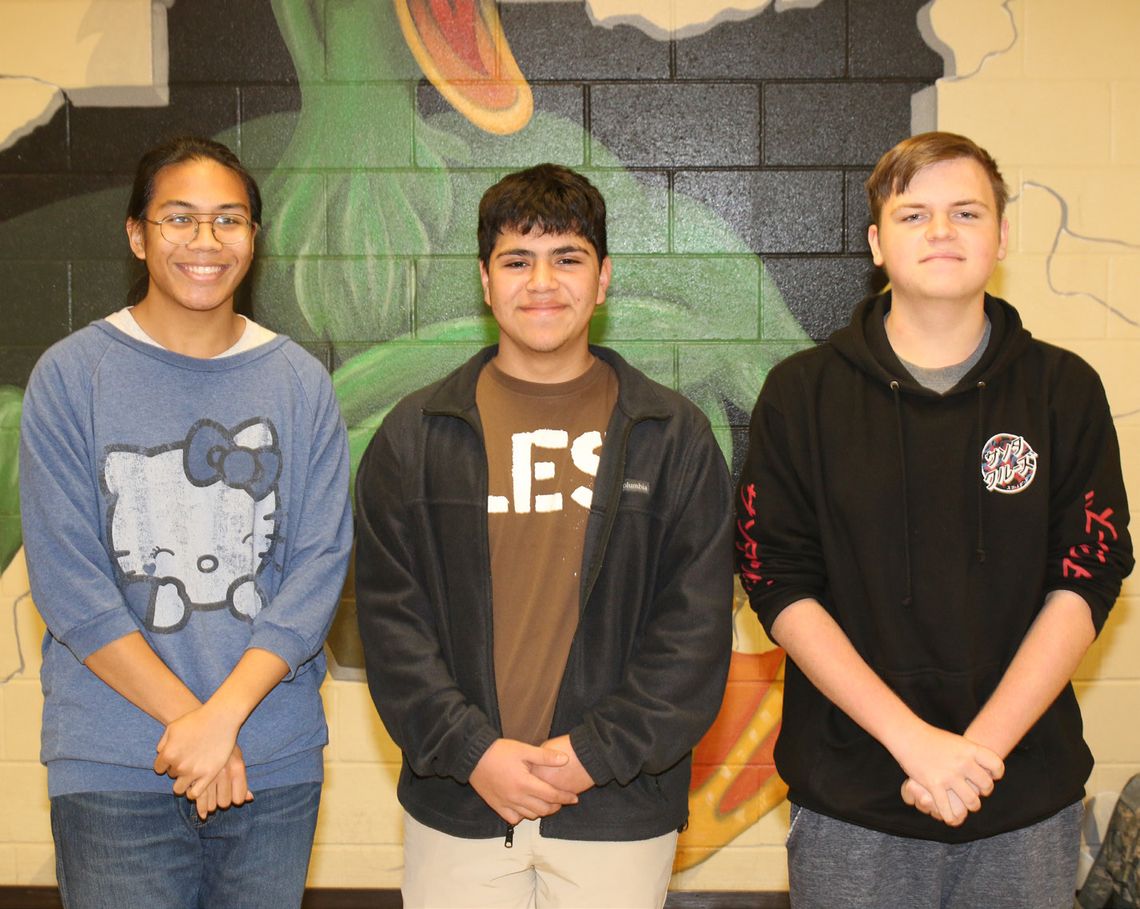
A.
x: 648, y: 663
x: 931, y: 527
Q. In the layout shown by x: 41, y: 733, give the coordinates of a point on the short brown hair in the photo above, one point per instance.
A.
x: 897, y: 167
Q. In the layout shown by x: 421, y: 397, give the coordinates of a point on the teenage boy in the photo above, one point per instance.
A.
x: 544, y: 584
x: 932, y: 524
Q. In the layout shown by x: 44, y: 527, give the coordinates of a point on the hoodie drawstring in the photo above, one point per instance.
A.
x: 905, y: 500
x: 981, y: 550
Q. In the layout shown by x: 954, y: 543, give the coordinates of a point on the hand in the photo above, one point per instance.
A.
x: 505, y: 780
x: 921, y: 800
x: 194, y: 749
x: 229, y: 787
x: 571, y: 776
x: 948, y: 774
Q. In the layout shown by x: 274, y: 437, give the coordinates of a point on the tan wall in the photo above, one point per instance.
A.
x: 1052, y: 88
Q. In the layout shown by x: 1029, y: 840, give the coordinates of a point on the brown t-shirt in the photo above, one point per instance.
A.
x: 543, y: 443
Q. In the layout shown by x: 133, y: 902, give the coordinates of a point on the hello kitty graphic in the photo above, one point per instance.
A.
x: 195, y: 520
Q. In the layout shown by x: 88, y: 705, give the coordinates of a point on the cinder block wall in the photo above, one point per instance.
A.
x: 770, y: 124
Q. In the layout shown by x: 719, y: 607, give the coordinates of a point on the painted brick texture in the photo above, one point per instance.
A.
x: 733, y: 164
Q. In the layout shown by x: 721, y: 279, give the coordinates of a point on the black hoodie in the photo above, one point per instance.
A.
x: 931, y: 527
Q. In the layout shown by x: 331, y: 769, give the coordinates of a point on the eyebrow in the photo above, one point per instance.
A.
x: 190, y: 206
x: 530, y: 253
x: 960, y: 202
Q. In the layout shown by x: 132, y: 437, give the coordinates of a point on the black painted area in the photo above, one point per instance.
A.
x: 558, y: 41
x: 218, y: 41
x: 822, y: 292
x: 43, y: 150
x: 773, y: 211
x: 110, y: 140
x: 677, y: 124
x: 849, y: 123
x: 82, y: 224
x: 858, y: 214
x: 792, y: 44
x: 885, y: 41
x: 35, y: 298
x: 100, y: 287
x: 16, y: 363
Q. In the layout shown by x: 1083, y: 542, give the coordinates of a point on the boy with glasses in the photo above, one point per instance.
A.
x: 184, y: 494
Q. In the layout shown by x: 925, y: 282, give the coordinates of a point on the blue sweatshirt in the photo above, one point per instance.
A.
x: 203, y: 503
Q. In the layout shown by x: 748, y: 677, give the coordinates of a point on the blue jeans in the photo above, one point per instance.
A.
x: 141, y: 850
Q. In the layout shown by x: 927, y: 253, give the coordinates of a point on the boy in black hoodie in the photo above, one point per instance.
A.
x: 932, y: 523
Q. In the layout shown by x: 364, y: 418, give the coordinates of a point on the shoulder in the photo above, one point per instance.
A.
x: 307, y: 368
x: 1061, y: 372
x: 69, y: 365
x: 78, y: 349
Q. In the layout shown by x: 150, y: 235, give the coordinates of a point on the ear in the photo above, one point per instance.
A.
x: 486, y: 279
x: 136, y: 236
x: 873, y: 242
x: 605, y: 273
x: 1003, y: 238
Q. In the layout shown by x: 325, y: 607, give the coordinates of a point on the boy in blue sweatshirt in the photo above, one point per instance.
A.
x: 184, y: 493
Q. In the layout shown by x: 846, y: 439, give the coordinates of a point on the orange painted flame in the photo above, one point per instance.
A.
x: 734, y: 781
x: 461, y: 48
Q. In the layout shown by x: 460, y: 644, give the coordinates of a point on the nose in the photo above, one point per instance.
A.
x: 940, y: 226
x: 204, y: 238
x: 541, y: 276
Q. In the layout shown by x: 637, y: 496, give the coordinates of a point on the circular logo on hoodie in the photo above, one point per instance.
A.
x: 1009, y: 463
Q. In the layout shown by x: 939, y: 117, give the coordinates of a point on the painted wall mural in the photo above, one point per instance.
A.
x: 730, y: 140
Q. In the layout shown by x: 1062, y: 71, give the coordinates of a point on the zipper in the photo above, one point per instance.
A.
x: 509, y: 840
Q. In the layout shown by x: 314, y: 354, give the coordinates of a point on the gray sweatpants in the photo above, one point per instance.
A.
x: 833, y: 864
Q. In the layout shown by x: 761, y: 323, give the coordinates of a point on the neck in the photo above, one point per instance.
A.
x: 935, y: 334
x: 543, y: 368
x: 188, y: 332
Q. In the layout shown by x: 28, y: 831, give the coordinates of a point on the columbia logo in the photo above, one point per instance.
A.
x: 635, y: 486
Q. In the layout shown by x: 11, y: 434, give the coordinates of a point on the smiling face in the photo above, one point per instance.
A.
x: 542, y: 289
x: 940, y: 239
x: 202, y: 275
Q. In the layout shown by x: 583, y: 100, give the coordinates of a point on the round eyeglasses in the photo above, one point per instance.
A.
x: 182, y: 228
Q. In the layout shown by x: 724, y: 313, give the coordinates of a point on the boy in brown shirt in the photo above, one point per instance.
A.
x: 544, y: 586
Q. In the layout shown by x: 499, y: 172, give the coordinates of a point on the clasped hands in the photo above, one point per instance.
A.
x: 948, y: 775
x: 199, y: 752
x: 520, y: 781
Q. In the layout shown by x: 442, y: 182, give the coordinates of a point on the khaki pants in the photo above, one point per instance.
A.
x: 450, y: 872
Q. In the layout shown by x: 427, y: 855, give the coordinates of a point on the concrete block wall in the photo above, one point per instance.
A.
x: 733, y: 163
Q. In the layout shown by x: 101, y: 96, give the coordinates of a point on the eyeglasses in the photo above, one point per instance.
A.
x: 182, y: 228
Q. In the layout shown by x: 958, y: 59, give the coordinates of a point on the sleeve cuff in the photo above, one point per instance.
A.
x: 99, y: 632
x: 291, y: 647
x: 583, y: 744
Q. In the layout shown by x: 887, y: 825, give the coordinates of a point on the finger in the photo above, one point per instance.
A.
x: 943, y: 806
x: 968, y: 797
x: 545, y: 792
x: 990, y: 762
x: 162, y: 741
x: 547, y: 757
x: 240, y: 783
x: 508, y: 814
x: 982, y: 783
x: 223, y: 793
x: 958, y: 810
x: 907, y: 792
x: 181, y: 784
x: 161, y: 765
